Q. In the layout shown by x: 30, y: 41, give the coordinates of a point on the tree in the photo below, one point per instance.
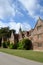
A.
x: 4, y: 31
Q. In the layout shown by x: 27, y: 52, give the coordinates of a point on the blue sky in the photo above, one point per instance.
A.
x: 24, y: 13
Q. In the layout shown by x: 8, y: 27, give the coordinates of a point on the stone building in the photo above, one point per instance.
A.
x: 14, y: 38
x: 35, y: 35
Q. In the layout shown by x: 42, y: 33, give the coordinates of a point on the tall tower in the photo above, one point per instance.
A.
x: 20, y: 34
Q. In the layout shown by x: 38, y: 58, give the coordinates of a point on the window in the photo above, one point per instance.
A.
x: 39, y: 36
x: 39, y: 44
x: 39, y: 27
x: 27, y: 34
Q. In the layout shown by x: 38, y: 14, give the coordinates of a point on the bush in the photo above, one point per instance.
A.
x: 4, y: 45
x: 15, y: 46
x: 11, y: 46
x: 20, y: 45
x: 8, y: 43
x: 25, y: 44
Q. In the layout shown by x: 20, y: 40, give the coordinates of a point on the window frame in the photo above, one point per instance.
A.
x: 39, y: 44
x: 39, y: 27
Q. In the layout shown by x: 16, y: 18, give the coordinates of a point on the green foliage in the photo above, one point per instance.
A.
x: 20, y: 45
x: 15, y: 46
x: 4, y: 45
x: 11, y: 46
x: 25, y: 44
x: 4, y: 31
x: 8, y: 43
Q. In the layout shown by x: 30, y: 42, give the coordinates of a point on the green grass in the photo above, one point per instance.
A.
x: 28, y: 54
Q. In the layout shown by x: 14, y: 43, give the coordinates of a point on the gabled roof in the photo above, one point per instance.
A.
x: 38, y: 21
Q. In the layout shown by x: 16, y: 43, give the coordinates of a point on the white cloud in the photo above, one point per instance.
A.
x: 3, y: 24
x: 16, y: 26
x: 6, y: 9
x: 19, y: 13
x: 25, y: 26
x: 32, y: 6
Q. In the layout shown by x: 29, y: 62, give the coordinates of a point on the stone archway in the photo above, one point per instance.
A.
x: 28, y: 44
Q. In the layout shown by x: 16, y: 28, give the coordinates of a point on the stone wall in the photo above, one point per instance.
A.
x: 37, y: 36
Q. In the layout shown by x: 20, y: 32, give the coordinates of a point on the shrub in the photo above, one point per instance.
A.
x: 8, y: 43
x: 15, y: 46
x: 20, y: 45
x: 11, y: 46
x: 25, y: 44
x: 4, y: 45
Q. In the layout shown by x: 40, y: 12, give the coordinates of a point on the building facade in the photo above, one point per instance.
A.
x: 35, y: 35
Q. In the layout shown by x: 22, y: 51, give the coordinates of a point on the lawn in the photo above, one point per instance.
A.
x: 28, y: 54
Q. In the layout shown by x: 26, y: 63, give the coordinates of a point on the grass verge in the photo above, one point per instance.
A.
x: 28, y: 54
